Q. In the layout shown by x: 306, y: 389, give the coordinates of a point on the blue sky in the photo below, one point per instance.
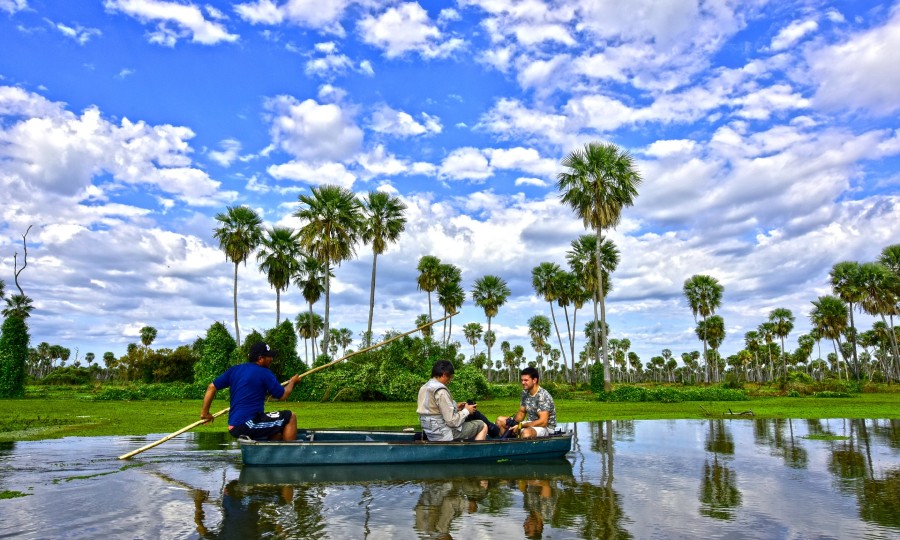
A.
x: 766, y: 134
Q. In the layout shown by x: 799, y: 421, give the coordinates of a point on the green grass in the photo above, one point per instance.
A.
x: 34, y: 418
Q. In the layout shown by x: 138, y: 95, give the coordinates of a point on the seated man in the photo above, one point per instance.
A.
x: 442, y: 419
x: 536, y: 416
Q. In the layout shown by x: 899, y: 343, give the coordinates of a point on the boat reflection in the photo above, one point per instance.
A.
x: 416, y: 472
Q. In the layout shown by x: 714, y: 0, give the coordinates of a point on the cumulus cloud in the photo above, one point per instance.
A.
x: 12, y: 6
x: 231, y: 149
x: 323, y: 15
x: 312, y: 131
x: 859, y: 73
x: 466, y: 164
x: 80, y: 34
x: 402, y: 124
x: 406, y: 28
x: 792, y: 34
x: 314, y: 174
x: 174, y: 21
x: 55, y: 150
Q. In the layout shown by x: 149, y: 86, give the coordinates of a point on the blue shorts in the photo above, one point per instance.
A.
x: 263, y: 425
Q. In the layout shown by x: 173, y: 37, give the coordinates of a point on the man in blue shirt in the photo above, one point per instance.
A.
x: 249, y: 383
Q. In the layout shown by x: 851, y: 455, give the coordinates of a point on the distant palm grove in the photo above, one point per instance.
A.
x: 598, y: 182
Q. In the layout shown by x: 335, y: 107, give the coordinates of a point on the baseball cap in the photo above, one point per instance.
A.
x: 260, y: 349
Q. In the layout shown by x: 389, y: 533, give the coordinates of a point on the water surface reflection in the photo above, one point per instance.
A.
x: 736, y: 478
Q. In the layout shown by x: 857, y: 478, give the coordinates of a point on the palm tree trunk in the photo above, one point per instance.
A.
x: 325, y: 336
x: 371, y: 299
x: 706, y: 353
x: 607, y: 381
x: 855, y: 359
x: 277, y: 306
x: 312, y: 333
x: 558, y: 337
x: 489, y: 330
x: 237, y: 331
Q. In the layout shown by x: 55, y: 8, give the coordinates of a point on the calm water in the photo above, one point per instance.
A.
x: 655, y: 479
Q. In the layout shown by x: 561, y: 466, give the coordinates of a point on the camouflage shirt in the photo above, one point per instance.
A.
x: 541, y: 401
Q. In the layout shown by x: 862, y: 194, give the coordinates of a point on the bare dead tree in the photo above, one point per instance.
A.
x: 16, y: 268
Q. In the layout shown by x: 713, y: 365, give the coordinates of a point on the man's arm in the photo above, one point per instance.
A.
x: 542, y: 419
x: 453, y: 416
x: 207, y: 402
x: 289, y: 387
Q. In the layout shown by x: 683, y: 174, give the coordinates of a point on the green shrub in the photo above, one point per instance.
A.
x: 160, y: 391
x: 14, y: 340
x: 218, y: 354
x: 557, y: 390
x: 636, y: 394
x: 597, y: 383
x: 506, y: 390
x: 70, y: 376
x: 468, y: 383
x: 800, y: 377
x: 830, y: 394
x: 793, y: 393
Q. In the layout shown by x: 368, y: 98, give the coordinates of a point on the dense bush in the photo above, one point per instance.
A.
x: 468, y: 383
x: 666, y: 394
x: 70, y: 376
x: 506, y: 390
x: 217, y: 356
x: 283, y: 338
x: 13, y: 354
x: 596, y: 373
x: 829, y: 394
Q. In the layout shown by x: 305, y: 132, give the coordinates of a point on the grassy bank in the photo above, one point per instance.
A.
x: 31, y: 419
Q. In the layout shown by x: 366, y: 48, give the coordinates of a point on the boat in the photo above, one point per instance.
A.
x: 549, y: 469
x: 336, y: 447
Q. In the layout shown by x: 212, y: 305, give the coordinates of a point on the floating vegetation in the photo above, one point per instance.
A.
x: 12, y: 494
x: 826, y: 437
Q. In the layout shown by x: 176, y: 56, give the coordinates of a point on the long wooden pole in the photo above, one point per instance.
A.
x: 304, y: 374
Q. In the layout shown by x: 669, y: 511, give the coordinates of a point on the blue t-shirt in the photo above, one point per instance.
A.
x: 249, y: 383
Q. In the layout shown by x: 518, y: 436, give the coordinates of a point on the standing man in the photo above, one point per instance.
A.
x: 536, y: 416
x: 442, y: 419
x: 249, y: 383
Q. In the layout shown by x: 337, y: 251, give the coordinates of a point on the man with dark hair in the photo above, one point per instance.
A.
x: 249, y: 383
x: 443, y: 419
x: 536, y: 416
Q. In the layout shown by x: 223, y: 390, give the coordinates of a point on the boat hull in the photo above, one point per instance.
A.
x: 374, y: 447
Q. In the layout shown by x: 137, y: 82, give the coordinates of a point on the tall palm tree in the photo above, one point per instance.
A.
x: 881, y: 296
x: 704, y: 296
x: 384, y: 221
x: 429, y: 275
x: 751, y: 343
x: 333, y: 221
x: 473, y: 332
x: 451, y: 295
x: 539, y: 332
x: 18, y: 305
x: 829, y: 316
x: 846, y: 283
x: 310, y: 279
x: 309, y: 326
x: 782, y: 323
x: 148, y: 334
x: 489, y: 293
x: 279, y: 259
x: 547, y: 281
x: 239, y: 233
x: 766, y: 332
x: 421, y: 321
x: 583, y: 260
x: 599, y: 182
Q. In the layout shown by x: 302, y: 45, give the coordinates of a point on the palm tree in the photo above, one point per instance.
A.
x: 846, y: 283
x: 539, y: 332
x: 383, y: 224
x: 309, y: 326
x: 599, y: 182
x: 429, y: 274
x: 782, y: 323
x: 751, y: 343
x: 148, y: 334
x: 279, y: 258
x: 829, y: 317
x: 704, y: 296
x: 881, y: 296
x: 451, y: 295
x: 583, y: 258
x: 310, y: 279
x: 712, y: 331
x: 489, y: 293
x: 473, y: 332
x: 239, y: 234
x: 421, y: 321
x: 18, y: 305
x: 333, y: 219
x: 547, y: 281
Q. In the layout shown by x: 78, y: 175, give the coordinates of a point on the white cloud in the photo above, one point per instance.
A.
x: 792, y: 34
x: 402, y: 124
x: 406, y: 28
x: 314, y: 174
x: 525, y: 181
x: 860, y: 73
x: 78, y: 33
x: 466, y: 164
x: 12, y: 6
x: 187, y: 21
x: 523, y: 159
x: 311, y: 131
x: 231, y: 148
x: 318, y: 14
